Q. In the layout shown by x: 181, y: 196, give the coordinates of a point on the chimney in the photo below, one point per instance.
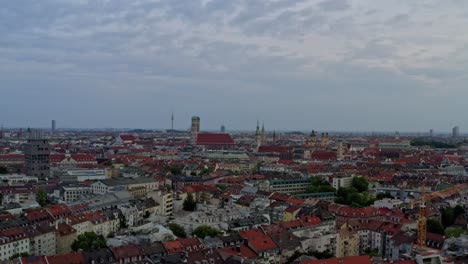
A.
x: 56, y: 225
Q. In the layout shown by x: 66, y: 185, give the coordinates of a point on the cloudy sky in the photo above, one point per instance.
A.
x: 294, y: 64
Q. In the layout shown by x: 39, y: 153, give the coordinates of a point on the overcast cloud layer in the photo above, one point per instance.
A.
x: 294, y: 64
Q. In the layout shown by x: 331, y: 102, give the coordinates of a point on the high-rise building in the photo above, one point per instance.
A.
x: 195, y: 129
x: 456, y: 131
x: 53, y: 127
x: 431, y: 132
x: 36, y: 154
x: 223, y: 129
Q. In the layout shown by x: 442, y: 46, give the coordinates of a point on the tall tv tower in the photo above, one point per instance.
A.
x: 172, y: 124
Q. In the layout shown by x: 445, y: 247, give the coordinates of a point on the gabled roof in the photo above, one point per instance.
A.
x: 128, y: 251
x: 70, y: 258
x: 240, y: 250
x: 258, y: 240
x: 214, y: 139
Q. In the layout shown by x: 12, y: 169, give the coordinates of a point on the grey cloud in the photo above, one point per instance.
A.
x: 334, y: 5
x: 276, y: 58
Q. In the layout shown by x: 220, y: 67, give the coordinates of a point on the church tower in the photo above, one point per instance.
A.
x: 325, y: 140
x: 312, y: 141
x: 263, y: 137
x: 258, y: 136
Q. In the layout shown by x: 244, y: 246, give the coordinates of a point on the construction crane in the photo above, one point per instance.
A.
x: 422, y: 221
x: 442, y: 194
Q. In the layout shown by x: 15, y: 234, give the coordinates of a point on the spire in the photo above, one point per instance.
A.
x: 257, y: 132
x: 263, y: 127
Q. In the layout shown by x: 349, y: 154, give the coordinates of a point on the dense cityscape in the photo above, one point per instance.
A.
x: 176, y: 196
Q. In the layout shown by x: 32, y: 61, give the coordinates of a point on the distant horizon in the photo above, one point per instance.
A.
x: 125, y: 129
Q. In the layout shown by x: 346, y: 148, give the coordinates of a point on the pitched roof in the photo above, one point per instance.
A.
x: 258, y: 240
x: 239, y: 250
x: 214, y: 139
x: 70, y: 258
x: 126, y: 252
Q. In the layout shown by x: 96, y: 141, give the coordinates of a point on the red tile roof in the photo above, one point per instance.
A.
x: 258, y: 240
x: 310, y: 220
x: 127, y: 137
x: 33, y: 215
x: 214, y: 139
x: 173, y: 246
x: 128, y: 251
x: 58, y: 210
x: 69, y: 258
x: 240, y: 250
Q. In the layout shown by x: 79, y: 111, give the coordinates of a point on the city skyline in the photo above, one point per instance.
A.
x: 337, y: 65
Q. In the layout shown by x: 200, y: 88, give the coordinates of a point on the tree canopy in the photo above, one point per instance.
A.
x: 189, y: 203
x: 41, y: 197
x: 88, y: 241
x: 381, y: 196
x: 3, y: 170
x: 204, y: 231
x: 317, y: 185
x: 177, y: 230
x: 361, y: 184
x: 434, y: 226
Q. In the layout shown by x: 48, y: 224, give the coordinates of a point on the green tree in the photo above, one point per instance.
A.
x: 3, y: 170
x: 434, y: 226
x: 17, y: 255
x: 455, y: 231
x: 381, y: 196
x: 177, y: 230
x: 294, y: 256
x: 204, y: 231
x: 189, y: 203
x: 448, y: 216
x: 122, y: 222
x: 360, y: 183
x: 41, y: 197
x: 321, y: 255
x: 458, y: 210
x: 372, y: 252
x: 88, y: 241
x: 317, y: 185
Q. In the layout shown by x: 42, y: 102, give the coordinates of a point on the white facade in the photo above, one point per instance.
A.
x: 10, y: 247
x: 388, y: 203
x: 342, y: 182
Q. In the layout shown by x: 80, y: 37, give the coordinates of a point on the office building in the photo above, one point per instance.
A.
x: 53, y: 127
x: 223, y: 129
x: 37, y: 155
x: 456, y: 131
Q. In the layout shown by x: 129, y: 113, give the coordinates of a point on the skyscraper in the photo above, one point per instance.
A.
x: 431, y: 132
x: 223, y: 129
x: 36, y: 154
x: 53, y: 127
x: 456, y: 131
